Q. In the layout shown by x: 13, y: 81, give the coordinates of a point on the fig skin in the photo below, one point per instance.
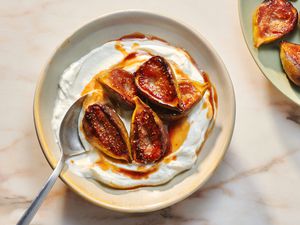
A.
x: 148, y: 136
x: 168, y: 114
x: 191, y: 93
x: 272, y: 20
x: 105, y: 131
x: 290, y: 60
x: 155, y: 81
x: 119, y: 84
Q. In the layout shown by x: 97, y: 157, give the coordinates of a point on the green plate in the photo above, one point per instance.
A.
x: 267, y: 57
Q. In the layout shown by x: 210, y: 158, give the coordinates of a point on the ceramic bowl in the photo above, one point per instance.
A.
x: 111, y: 27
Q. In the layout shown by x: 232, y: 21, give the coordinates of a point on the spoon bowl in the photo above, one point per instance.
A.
x: 70, y: 143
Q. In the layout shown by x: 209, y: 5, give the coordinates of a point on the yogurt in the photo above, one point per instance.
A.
x: 199, y: 120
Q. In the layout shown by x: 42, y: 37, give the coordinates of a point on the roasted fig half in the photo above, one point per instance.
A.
x: 156, y: 81
x: 272, y: 20
x: 290, y: 59
x: 119, y: 83
x: 105, y: 131
x: 167, y: 114
x: 148, y: 137
x: 191, y: 93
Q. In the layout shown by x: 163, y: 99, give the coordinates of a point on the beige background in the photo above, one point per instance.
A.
x: 257, y: 183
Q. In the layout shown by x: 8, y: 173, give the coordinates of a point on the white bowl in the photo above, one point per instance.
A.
x: 110, y: 27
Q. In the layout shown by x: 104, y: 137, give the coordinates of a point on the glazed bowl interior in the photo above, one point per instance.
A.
x: 112, y: 27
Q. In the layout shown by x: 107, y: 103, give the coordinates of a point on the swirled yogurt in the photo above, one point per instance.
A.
x: 186, y: 146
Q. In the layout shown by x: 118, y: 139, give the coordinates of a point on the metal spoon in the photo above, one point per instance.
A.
x: 70, y: 145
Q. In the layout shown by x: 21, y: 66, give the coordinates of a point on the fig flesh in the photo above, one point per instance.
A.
x: 156, y: 81
x: 105, y: 131
x: 290, y: 59
x: 191, y: 93
x: 119, y: 83
x: 148, y: 137
x: 272, y: 20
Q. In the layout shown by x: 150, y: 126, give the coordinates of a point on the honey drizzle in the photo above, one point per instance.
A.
x: 92, y: 86
x: 178, y: 131
x: 169, y: 159
x: 135, y: 45
x: 142, y: 173
x: 213, y: 98
x: 138, y: 35
x: 179, y: 72
x: 120, y: 48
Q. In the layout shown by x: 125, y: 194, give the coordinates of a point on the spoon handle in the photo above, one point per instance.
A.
x: 35, y: 205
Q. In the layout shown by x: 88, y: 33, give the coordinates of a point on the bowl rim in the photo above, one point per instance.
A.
x: 45, y: 148
x: 242, y: 26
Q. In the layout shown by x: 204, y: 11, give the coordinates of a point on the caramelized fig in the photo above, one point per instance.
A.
x: 120, y: 85
x: 272, y: 20
x: 105, y: 130
x: 168, y: 114
x: 156, y: 81
x: 191, y: 93
x: 290, y: 59
x: 148, y: 137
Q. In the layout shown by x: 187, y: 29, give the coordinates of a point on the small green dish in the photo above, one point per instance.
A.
x: 267, y: 56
